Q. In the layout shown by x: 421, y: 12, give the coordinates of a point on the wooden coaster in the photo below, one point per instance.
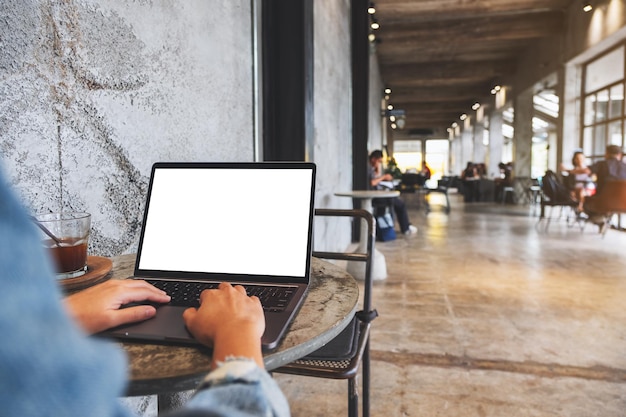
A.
x: 97, y: 270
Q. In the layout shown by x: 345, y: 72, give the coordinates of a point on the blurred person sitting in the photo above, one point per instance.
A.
x: 579, y: 180
x: 470, y: 179
x: 376, y: 176
x: 611, y: 168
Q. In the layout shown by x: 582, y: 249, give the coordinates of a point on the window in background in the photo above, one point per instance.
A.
x: 546, y: 106
x: 603, y: 108
x: 437, y: 157
x: 408, y: 155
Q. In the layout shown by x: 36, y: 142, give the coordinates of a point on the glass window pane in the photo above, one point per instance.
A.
x: 599, y: 139
x: 602, y: 105
x: 588, y: 140
x: 617, y: 101
x: 615, y: 133
x: 589, y: 110
x: 605, y: 70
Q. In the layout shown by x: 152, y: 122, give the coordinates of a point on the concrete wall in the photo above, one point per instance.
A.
x: 93, y: 92
x: 376, y: 133
x: 333, y: 118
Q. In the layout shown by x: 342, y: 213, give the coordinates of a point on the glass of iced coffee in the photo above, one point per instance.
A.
x: 66, y: 236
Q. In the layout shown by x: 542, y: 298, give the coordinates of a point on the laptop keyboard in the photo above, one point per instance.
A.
x: 187, y: 294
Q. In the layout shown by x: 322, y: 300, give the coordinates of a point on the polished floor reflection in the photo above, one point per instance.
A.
x: 483, y: 314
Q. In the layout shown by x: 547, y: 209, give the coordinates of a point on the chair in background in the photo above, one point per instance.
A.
x: 413, y: 183
x: 555, y: 194
x: 342, y: 357
x: 611, y: 201
x: 443, y: 185
x: 534, y: 194
x: 506, y: 191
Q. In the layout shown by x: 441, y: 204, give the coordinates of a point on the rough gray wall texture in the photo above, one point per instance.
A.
x: 333, y: 118
x: 93, y: 92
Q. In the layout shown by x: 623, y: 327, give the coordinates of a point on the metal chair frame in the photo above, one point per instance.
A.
x: 348, y: 368
x: 442, y: 188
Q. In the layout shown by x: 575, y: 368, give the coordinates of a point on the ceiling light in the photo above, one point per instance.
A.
x: 476, y: 106
x: 394, y: 126
x: 371, y: 9
x: 371, y: 37
x: 390, y: 107
x: 463, y: 116
x: 375, y: 25
x: 587, y: 7
x: 387, y: 90
x: 495, y: 89
x: 392, y: 118
x: 455, y: 125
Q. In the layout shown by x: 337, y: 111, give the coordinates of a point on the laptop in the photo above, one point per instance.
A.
x: 244, y: 223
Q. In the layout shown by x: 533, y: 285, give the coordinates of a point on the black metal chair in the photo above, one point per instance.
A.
x: 609, y: 202
x: 342, y: 357
x: 443, y: 185
x: 555, y: 194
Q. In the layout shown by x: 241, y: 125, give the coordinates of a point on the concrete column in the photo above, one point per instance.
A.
x: 455, y: 155
x: 522, y: 141
x: 568, y: 115
x: 467, y: 141
x: 479, y: 148
x: 496, y: 141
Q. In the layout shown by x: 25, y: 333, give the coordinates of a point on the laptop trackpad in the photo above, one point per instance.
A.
x: 167, y: 325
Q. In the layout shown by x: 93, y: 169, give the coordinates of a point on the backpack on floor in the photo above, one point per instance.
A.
x: 384, y: 227
x: 554, y: 189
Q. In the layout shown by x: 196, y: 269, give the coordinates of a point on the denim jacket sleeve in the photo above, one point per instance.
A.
x: 238, y: 387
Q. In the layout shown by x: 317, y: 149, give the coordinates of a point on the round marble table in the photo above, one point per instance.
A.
x: 328, y: 308
x: 379, y: 265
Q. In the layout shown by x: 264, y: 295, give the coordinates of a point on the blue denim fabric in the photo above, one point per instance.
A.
x: 49, y: 367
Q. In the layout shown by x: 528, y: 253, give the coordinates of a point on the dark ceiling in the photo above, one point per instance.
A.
x: 440, y: 57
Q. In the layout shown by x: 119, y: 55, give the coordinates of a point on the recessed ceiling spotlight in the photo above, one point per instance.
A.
x: 495, y: 89
x: 371, y: 37
x: 455, y: 125
x: 463, y: 116
x: 375, y: 25
x: 587, y: 7
x: 387, y: 90
x: 390, y: 107
x: 476, y: 106
x: 371, y: 9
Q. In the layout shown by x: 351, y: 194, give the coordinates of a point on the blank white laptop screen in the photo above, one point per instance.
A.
x: 225, y: 220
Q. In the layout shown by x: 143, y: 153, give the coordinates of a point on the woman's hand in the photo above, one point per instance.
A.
x: 98, y: 308
x: 230, y: 321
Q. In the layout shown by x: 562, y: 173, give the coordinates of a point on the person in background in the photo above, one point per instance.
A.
x: 375, y: 177
x: 470, y: 179
x: 426, y: 172
x: 611, y: 168
x: 579, y: 178
x: 49, y: 366
x: 504, y: 179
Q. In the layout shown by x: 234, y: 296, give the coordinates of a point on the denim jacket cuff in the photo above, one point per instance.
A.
x: 231, y: 370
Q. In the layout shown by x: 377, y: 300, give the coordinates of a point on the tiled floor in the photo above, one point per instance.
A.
x: 483, y: 314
